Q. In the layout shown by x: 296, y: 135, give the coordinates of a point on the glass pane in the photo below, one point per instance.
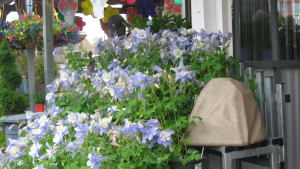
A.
x: 289, y: 29
x: 255, y: 30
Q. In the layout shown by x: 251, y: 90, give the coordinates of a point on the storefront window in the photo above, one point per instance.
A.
x: 255, y: 30
x: 289, y: 29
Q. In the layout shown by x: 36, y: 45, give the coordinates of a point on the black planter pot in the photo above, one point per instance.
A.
x: 189, y: 165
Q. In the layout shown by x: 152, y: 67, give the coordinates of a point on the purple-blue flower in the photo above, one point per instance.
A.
x: 140, y: 80
x: 81, y: 132
x: 94, y: 160
x: 165, y: 137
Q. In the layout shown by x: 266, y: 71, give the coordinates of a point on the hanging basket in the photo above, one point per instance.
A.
x: 34, y: 42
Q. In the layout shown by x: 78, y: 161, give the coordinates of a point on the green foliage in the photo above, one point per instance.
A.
x: 76, y: 62
x: 2, y: 139
x: 10, y: 101
x: 39, y: 69
x: 172, y: 22
x: 39, y: 97
x: 209, y: 65
x: 21, y: 62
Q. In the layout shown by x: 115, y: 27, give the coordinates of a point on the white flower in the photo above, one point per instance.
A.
x: 34, y: 150
x: 29, y: 114
x: 61, y: 128
x: 182, y: 38
x: 165, y: 136
x: 127, y: 44
x: 106, y: 77
x: 104, y: 121
x: 72, y: 117
x: 43, y: 120
x: 57, y: 138
x: 163, y: 40
x: 177, y: 53
x: 49, y: 96
x: 14, y: 151
x: 63, y: 76
x: 142, y: 34
x: 184, y: 31
x: 36, y: 131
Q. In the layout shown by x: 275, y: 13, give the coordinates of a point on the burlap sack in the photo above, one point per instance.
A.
x: 230, y: 116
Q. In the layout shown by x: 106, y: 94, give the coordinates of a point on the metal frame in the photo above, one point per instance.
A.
x: 271, y: 104
x: 227, y: 157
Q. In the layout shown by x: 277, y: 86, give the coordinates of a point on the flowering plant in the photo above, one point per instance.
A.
x: 133, y: 112
x: 28, y: 31
x: 3, y: 27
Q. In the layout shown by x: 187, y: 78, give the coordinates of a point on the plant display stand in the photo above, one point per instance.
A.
x: 189, y: 165
x: 7, y: 121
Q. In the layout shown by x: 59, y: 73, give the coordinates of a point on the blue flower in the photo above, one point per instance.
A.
x: 98, y: 46
x: 157, y: 68
x: 35, y: 151
x: 81, y: 132
x: 183, y: 74
x: 104, y: 124
x: 94, y: 160
x: 114, y: 64
x: 165, y: 137
x: 140, y: 80
x: 49, y: 154
x: 54, y: 111
x: 50, y: 97
x: 73, y: 148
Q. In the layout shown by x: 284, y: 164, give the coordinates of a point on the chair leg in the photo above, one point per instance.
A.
x: 238, y: 164
x: 274, y: 158
x: 205, y: 162
x: 226, y: 161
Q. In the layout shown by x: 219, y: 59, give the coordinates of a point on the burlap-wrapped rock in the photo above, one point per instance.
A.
x: 230, y: 116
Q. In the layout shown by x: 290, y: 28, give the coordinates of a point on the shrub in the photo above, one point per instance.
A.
x: 10, y: 101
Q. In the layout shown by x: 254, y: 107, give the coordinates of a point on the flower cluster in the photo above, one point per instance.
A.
x: 28, y: 31
x: 3, y: 26
x: 133, y: 112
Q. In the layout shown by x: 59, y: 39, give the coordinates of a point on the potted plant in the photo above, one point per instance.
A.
x: 133, y: 113
x: 39, y: 100
x: 28, y: 32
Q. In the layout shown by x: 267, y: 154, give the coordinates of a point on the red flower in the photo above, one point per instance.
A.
x: 169, y: 9
x: 70, y: 29
x: 129, y: 19
x: 129, y: 11
x: 73, y: 5
x: 60, y: 32
x: 103, y: 27
x: 60, y: 22
x: 76, y: 29
x: 66, y: 39
x: 12, y: 25
x: 11, y: 36
x: 62, y: 5
x: 167, y: 1
x: 41, y: 32
x: 56, y: 38
x: 177, y: 9
x: 38, y: 18
x: 32, y: 18
x: 23, y: 18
